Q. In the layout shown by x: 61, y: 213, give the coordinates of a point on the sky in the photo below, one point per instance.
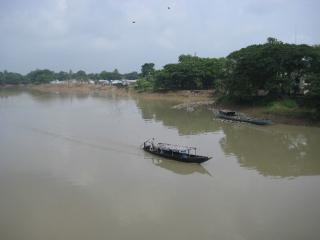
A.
x: 97, y: 35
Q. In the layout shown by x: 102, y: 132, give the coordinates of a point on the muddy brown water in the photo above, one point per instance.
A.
x: 71, y: 168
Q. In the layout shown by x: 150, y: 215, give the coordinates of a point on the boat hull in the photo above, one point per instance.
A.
x: 177, y: 156
x: 247, y: 120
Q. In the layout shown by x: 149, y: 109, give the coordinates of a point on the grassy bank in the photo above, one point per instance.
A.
x: 282, y: 110
x: 290, y: 108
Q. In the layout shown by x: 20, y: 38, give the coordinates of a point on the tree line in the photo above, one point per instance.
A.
x: 273, y: 69
x: 45, y: 76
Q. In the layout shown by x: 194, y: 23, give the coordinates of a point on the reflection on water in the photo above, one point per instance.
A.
x: 41, y: 96
x: 278, y: 150
x: 179, y: 167
x: 284, y: 151
x: 9, y: 92
x: 71, y: 168
x: 187, y: 123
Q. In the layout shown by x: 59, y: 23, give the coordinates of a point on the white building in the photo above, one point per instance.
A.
x: 117, y: 83
x: 104, y: 82
x: 57, y: 82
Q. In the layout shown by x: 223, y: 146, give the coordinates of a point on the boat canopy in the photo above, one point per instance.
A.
x: 172, y: 147
x: 227, y: 112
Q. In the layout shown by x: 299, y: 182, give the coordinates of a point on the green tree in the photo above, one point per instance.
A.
x: 41, y: 76
x: 61, y: 76
x: 143, y: 85
x: 271, y: 40
x: 131, y: 75
x: 115, y: 75
x: 275, y: 67
x: 104, y: 75
x: 147, y: 69
x: 80, y: 75
x: 1, y: 78
x: 191, y: 72
x: 12, y: 78
x: 93, y: 76
x: 313, y: 85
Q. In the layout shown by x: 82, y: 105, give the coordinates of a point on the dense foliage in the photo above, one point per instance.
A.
x: 274, y: 67
x: 271, y: 69
x: 191, y: 73
x: 40, y: 76
x: 147, y: 70
x: 45, y: 76
x: 11, y: 78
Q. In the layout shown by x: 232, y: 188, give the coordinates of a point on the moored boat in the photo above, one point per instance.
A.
x: 174, y: 152
x: 234, y: 116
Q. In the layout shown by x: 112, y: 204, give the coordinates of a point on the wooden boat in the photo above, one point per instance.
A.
x: 234, y: 116
x: 175, y: 152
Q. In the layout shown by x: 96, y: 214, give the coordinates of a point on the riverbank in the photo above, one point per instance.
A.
x: 192, y: 99
x: 283, y: 110
x: 291, y: 117
x: 183, y: 95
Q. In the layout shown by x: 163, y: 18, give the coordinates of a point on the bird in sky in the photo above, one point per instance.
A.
x: 168, y: 9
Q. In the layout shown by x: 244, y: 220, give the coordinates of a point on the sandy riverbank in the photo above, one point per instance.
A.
x: 183, y: 96
x: 71, y: 88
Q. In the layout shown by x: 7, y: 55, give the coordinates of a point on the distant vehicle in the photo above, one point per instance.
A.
x: 175, y: 152
x: 235, y: 116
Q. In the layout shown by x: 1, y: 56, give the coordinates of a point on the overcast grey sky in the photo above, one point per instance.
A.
x: 96, y: 35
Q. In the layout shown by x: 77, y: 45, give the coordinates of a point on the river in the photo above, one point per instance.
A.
x: 71, y: 168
